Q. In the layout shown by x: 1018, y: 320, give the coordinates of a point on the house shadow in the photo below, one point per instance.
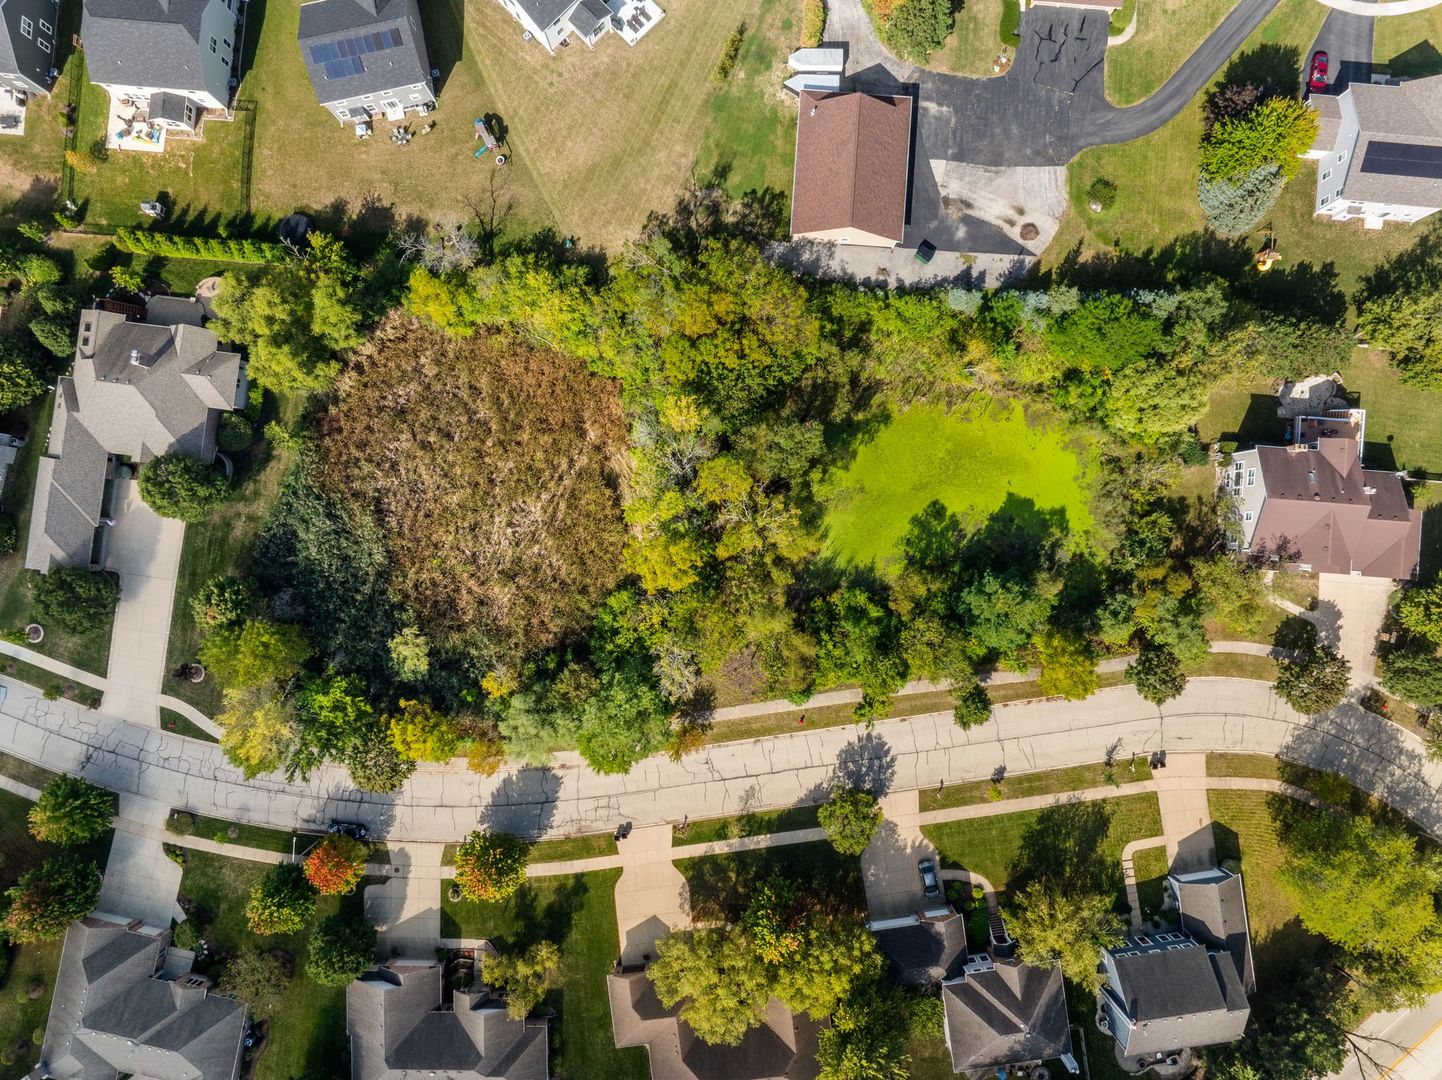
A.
x: 1063, y: 849
x: 445, y: 29
x: 1419, y: 61
x: 1258, y: 424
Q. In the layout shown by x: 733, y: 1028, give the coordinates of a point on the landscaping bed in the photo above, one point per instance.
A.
x: 577, y: 913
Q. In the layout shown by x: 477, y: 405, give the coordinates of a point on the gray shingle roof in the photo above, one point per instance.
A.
x: 781, y: 1048
x: 1214, y: 912
x: 166, y: 401
x: 1008, y: 1015
x: 110, y: 1014
x: 327, y: 21
x: 144, y: 43
x: 1410, y: 113
x: 588, y: 16
x: 1180, y: 998
x: 544, y: 12
x: 397, y: 1032
x: 926, y: 952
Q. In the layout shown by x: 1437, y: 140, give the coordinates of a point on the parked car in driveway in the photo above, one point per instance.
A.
x: 1317, y: 78
x: 930, y: 885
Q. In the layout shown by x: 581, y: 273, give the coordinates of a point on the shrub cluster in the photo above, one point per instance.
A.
x: 146, y: 242
x: 813, y: 22
x: 729, y: 54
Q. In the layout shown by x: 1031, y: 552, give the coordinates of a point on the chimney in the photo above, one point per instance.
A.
x: 1312, y: 477
x: 134, y: 357
x: 372, y: 6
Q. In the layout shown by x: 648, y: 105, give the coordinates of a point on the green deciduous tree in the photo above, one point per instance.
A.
x: 1315, y: 680
x: 71, y: 811
x: 1420, y: 611
x: 1406, y: 320
x: 525, y: 977
x: 281, y: 902
x: 1276, y: 132
x: 222, y: 601
x: 341, y: 948
x: 973, y: 706
x: 374, y: 764
x: 491, y: 866
x: 850, y: 818
x: 257, y: 728
x: 1368, y: 888
x: 420, y: 733
x: 1068, y: 664
x: 1234, y: 593
x: 867, y: 1036
x: 1157, y: 674
x: 19, y: 383
x: 913, y: 29
x: 1414, y: 673
x: 858, y: 641
x: 181, y: 486
x: 719, y: 980
x: 75, y: 599
x: 257, y: 977
x: 624, y: 722
x: 1066, y: 926
x: 45, y: 901
x: 257, y: 653
x: 835, y: 954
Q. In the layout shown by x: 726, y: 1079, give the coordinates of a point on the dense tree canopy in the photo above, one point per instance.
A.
x: 76, y: 599
x: 71, y: 811
x: 490, y: 866
x: 46, y: 900
x: 281, y: 902
x: 181, y: 486
x: 850, y: 818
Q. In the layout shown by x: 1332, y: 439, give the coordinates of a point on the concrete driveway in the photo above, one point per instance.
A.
x: 140, y: 881
x: 1349, y: 615
x: 144, y: 549
x: 888, y: 865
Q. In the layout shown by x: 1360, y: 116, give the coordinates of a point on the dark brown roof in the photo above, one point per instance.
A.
x: 1007, y: 1015
x: 1339, y: 517
x: 853, y: 158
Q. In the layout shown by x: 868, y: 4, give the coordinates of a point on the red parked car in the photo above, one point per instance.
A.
x: 1317, y: 80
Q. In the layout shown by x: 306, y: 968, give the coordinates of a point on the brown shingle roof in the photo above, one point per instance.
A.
x: 1339, y: 517
x: 853, y: 159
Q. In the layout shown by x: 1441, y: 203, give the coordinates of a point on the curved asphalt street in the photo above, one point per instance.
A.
x: 444, y: 803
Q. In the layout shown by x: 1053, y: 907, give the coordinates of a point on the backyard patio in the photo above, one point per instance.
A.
x: 634, y: 19
x: 12, y: 112
x: 128, y: 127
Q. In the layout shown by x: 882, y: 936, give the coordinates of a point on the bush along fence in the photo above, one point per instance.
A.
x: 144, y: 242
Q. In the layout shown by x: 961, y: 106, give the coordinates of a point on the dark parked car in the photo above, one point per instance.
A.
x: 354, y: 829
x: 1317, y: 80
x: 929, y: 883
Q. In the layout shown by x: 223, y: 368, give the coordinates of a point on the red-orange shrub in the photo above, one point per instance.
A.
x: 336, y: 864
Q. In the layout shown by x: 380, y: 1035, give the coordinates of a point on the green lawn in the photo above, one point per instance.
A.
x: 1410, y: 45
x: 20, y: 769
x: 1050, y: 782
x: 975, y: 41
x: 1168, y: 31
x: 1403, y: 431
x: 578, y: 913
x: 307, y: 1027
x: 750, y: 137
x: 89, y: 651
x: 976, y: 460
x: 1156, y: 203
x: 198, y: 180
x: 30, y: 163
x: 252, y: 836
x: 721, y: 885
x: 753, y: 824
x: 224, y: 544
x: 1073, y: 843
x: 1246, y: 830
x: 1151, y: 867
x: 178, y: 723
x: 593, y: 846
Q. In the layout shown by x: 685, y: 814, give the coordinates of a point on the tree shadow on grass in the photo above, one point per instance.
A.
x: 1063, y: 850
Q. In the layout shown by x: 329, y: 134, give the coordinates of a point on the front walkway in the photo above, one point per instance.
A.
x: 141, y: 882
x: 144, y: 549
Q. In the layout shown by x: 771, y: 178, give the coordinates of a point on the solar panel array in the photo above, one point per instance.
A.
x: 1403, y: 159
x: 342, y: 58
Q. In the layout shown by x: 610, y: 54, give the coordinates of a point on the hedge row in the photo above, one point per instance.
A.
x: 144, y: 242
x: 813, y: 22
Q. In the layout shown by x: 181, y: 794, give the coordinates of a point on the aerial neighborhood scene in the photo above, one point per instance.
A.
x: 720, y: 539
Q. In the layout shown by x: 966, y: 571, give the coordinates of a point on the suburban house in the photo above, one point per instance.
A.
x: 1313, y: 504
x: 366, y: 57
x: 137, y: 390
x: 552, y: 22
x: 922, y: 952
x: 27, y: 46
x: 1379, y: 151
x: 853, y: 168
x: 1166, y: 992
x: 405, y: 1020
x: 166, y: 65
x: 126, y: 1003
x: 999, y: 1013
x: 781, y: 1048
